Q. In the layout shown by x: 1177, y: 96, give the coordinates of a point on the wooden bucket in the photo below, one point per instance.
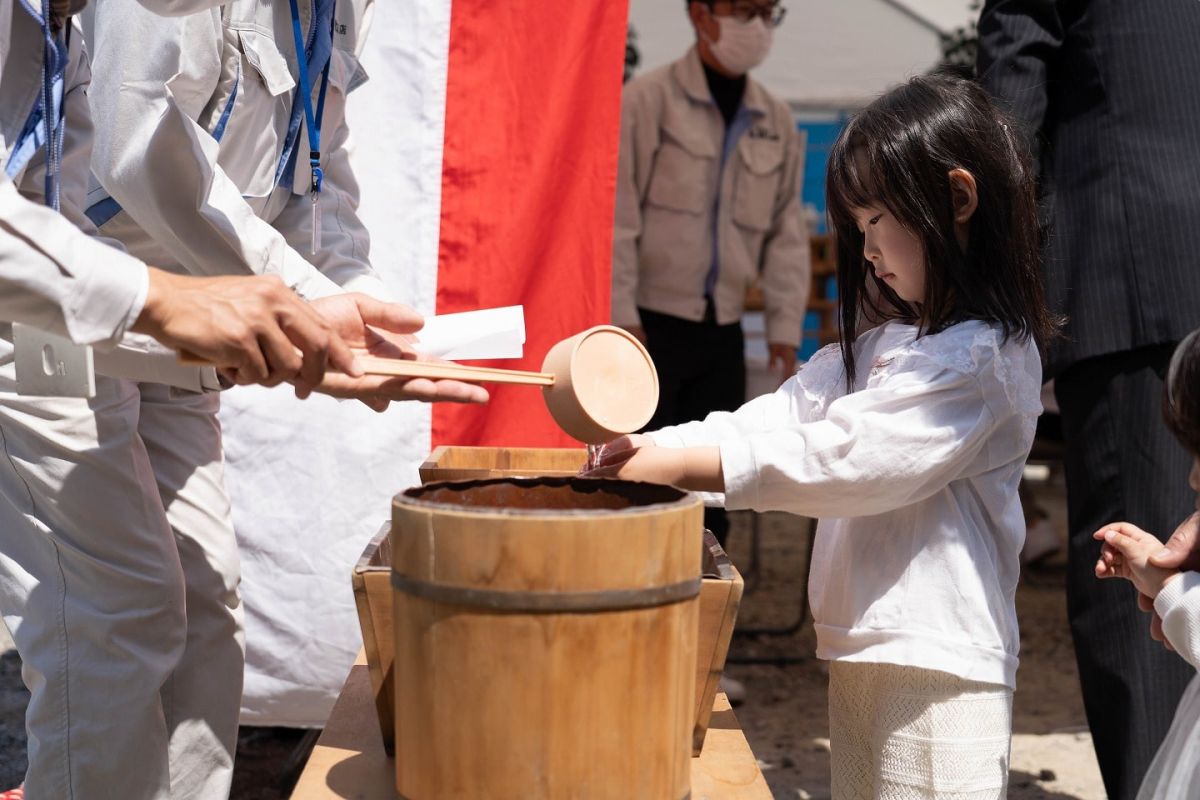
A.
x: 545, y: 639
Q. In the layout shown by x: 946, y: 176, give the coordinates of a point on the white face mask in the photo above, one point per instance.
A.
x: 743, y: 45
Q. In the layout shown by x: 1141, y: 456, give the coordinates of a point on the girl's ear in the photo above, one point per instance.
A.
x: 963, y: 195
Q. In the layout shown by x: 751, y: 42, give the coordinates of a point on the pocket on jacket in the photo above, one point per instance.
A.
x: 683, y: 171
x: 266, y: 62
x: 249, y: 116
x: 757, y: 185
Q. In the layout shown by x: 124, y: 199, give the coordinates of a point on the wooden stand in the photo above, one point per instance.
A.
x: 349, y: 763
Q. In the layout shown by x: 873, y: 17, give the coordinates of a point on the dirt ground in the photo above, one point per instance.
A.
x: 784, y: 716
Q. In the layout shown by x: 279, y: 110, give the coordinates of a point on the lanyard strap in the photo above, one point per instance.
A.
x: 48, y: 112
x: 312, y: 121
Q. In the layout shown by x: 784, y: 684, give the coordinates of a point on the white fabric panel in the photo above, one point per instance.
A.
x: 303, y: 523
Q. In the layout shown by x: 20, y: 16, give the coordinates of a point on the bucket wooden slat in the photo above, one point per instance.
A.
x: 522, y: 705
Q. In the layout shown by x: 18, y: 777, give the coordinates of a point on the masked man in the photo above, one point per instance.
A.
x: 708, y: 201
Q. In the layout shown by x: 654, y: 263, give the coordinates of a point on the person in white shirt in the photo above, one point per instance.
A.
x: 1131, y: 553
x: 118, y: 567
x: 907, y: 441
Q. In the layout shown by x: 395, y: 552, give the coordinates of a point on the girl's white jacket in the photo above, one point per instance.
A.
x: 914, y: 477
x: 1175, y: 771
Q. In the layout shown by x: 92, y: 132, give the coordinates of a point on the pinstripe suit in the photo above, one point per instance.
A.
x: 1110, y: 92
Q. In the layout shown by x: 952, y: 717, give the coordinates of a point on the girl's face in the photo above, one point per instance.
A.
x: 896, y: 254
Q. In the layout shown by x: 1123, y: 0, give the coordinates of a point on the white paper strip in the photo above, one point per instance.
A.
x: 487, y: 333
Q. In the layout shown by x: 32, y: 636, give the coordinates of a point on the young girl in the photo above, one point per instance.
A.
x: 1127, y: 553
x: 908, y: 442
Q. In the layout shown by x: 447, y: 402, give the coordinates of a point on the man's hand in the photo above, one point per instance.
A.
x: 1181, y: 552
x: 783, y: 360
x: 253, y: 327
x: 384, y: 330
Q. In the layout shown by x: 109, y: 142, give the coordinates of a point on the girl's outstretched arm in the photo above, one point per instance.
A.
x: 697, y: 469
x: 798, y: 400
x: 904, y: 437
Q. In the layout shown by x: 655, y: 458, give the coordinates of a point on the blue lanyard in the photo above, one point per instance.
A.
x: 313, y: 121
x: 44, y: 125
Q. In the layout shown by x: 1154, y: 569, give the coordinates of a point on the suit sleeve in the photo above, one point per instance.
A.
x: 1018, y: 44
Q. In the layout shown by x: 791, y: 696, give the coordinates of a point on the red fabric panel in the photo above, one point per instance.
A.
x: 528, y: 185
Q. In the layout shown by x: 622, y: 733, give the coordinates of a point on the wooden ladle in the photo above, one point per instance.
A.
x: 598, y: 384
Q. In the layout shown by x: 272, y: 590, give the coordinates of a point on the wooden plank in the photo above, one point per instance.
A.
x: 348, y: 762
x: 727, y: 768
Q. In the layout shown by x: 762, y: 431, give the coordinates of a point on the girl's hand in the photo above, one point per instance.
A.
x: 629, y: 459
x: 636, y: 458
x: 1126, y: 554
x: 613, y: 449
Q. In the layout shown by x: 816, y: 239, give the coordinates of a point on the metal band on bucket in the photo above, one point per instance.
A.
x: 548, y: 602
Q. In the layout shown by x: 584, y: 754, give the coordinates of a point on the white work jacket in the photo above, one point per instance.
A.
x: 686, y: 198
x: 52, y: 275
x: 135, y: 356
x: 191, y: 116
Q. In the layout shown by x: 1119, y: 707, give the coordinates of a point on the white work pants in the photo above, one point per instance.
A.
x: 118, y: 581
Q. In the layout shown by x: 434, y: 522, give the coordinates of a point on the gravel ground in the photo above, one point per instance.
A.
x: 784, y: 715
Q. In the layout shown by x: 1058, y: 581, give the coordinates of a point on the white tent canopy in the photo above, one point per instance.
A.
x: 828, y: 54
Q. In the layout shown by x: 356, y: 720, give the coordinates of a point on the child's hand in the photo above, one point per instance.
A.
x: 1126, y: 554
x: 630, y: 441
x: 635, y: 458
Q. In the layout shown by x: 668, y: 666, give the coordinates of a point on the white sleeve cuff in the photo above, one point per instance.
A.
x: 139, y: 301
x: 305, y: 279
x: 1179, y: 606
x: 741, y: 475
x: 108, y: 298
x: 1173, y: 593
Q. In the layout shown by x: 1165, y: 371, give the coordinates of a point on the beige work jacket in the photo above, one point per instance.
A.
x: 191, y: 115
x: 52, y: 275
x: 677, y: 207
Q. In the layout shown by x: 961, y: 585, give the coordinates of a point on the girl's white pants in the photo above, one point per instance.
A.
x: 903, y: 732
x: 118, y: 580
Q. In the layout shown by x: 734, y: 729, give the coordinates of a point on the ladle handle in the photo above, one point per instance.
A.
x: 451, y: 371
x: 435, y: 370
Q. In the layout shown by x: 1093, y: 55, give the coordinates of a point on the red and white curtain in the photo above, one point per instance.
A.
x: 486, y: 149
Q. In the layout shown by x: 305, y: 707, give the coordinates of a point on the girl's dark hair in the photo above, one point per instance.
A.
x: 1181, y: 400
x: 896, y: 154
